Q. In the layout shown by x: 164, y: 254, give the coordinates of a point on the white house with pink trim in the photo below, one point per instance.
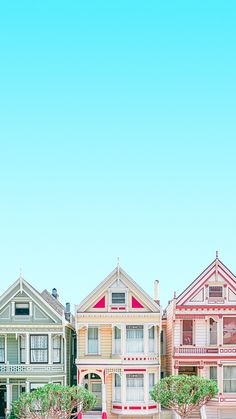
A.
x: 201, y: 335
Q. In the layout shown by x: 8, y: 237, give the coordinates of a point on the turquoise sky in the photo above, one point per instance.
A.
x: 118, y: 138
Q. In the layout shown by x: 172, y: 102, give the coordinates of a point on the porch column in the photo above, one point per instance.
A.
x: 104, y: 400
x: 27, y: 386
x: 220, y: 378
x: 176, y: 370
x: 9, y: 397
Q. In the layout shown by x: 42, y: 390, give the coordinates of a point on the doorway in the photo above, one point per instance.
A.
x: 93, y: 383
x: 2, y: 401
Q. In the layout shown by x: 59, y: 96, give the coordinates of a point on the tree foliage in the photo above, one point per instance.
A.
x: 53, y: 401
x: 184, y: 393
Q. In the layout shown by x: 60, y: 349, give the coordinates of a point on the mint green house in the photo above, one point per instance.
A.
x: 36, y: 342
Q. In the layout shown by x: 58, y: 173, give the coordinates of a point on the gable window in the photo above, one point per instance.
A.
x: 187, y: 332
x: 93, y: 340
x: 213, y: 332
x: 134, y: 387
x: 229, y: 330
x: 229, y: 379
x: 134, y: 339
x: 117, y: 340
x: 39, y: 349
x: 22, y: 349
x: 56, y: 349
x: 21, y: 309
x: 118, y: 297
x: 151, y: 340
x: 2, y: 349
x: 215, y: 292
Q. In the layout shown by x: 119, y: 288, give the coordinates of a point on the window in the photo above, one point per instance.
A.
x: 56, y: 349
x: 187, y: 332
x: 117, y: 340
x: 151, y: 383
x: 39, y: 349
x: 215, y: 292
x: 2, y: 349
x: 229, y: 379
x: 93, y: 340
x: 229, y: 330
x: 21, y: 309
x: 134, y: 339
x: 117, y: 388
x: 135, y: 388
x: 213, y: 332
x: 213, y: 373
x: 118, y: 298
x: 151, y: 340
x: 22, y: 349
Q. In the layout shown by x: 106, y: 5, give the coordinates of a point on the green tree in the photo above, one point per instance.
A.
x: 184, y: 393
x: 53, y: 401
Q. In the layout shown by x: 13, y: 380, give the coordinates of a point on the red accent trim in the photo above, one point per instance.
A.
x: 203, y: 357
x: 104, y: 376
x: 136, y: 303
x: 117, y: 407
x: 114, y: 308
x: 104, y: 415
x: 134, y: 369
x: 101, y: 303
x: 121, y: 308
x: 153, y: 406
x: 125, y: 407
x: 78, y: 377
x: 135, y: 408
x: 79, y: 416
x: 206, y: 307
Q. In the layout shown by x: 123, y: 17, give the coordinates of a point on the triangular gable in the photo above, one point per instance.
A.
x: 215, y: 274
x: 117, y: 281
x: 21, y: 289
x: 136, y: 303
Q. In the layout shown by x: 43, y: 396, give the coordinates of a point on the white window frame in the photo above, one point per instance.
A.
x: 117, y: 290
x: 225, y: 392
x: 99, y: 340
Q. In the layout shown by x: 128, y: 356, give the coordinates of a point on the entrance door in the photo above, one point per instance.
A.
x: 96, y: 388
x: 187, y: 370
x: 2, y: 401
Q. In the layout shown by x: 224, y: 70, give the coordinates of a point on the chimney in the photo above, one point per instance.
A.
x: 54, y: 293
x: 156, y: 286
x: 67, y: 312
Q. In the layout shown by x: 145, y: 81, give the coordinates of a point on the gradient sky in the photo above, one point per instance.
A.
x: 118, y: 138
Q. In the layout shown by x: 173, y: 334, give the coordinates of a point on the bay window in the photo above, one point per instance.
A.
x: 93, y: 340
x: 213, y: 373
x: 229, y: 330
x: 134, y: 387
x: 213, y: 332
x: 39, y: 349
x: 187, y: 332
x: 56, y: 349
x: 117, y: 340
x: 134, y: 339
x: 229, y: 379
x: 22, y: 349
x: 2, y: 349
x: 151, y: 340
x: 117, y: 388
x: 151, y: 382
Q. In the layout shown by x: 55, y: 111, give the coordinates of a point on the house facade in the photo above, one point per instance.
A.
x: 36, y: 342
x: 118, y: 347
x: 201, y: 335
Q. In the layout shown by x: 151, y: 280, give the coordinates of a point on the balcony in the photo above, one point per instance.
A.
x: 203, y: 350
x: 30, y: 369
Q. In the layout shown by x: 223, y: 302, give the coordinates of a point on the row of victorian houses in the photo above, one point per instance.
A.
x: 118, y: 343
